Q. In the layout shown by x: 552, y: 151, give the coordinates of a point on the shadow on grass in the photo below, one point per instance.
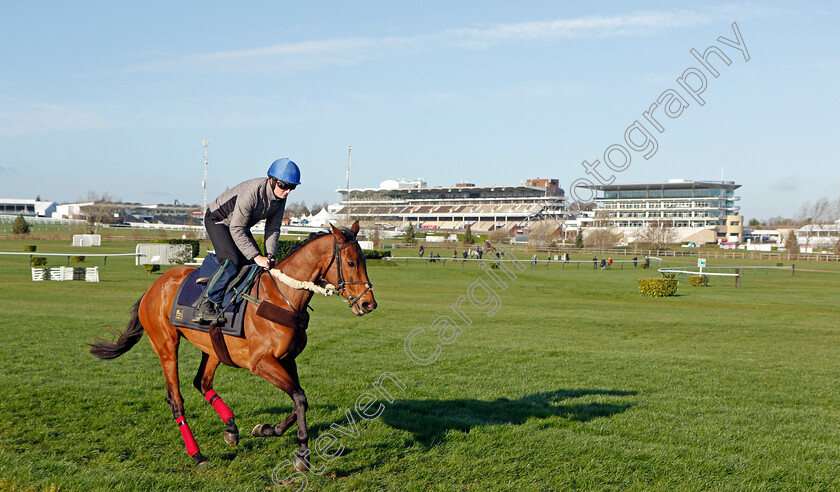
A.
x: 430, y: 420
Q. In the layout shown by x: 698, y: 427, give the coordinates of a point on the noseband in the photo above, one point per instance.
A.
x: 341, y: 287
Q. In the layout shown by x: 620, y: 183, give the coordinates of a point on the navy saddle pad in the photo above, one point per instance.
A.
x: 189, y: 290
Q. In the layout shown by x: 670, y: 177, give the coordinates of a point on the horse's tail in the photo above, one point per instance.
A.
x: 105, y: 349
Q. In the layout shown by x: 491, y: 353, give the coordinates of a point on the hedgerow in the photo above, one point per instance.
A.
x: 658, y: 287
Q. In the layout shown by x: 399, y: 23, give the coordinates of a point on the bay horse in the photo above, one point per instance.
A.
x: 268, y: 349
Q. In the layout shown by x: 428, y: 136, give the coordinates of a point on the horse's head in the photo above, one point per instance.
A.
x: 348, y: 270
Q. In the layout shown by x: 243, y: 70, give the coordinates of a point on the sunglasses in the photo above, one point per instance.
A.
x: 286, y: 186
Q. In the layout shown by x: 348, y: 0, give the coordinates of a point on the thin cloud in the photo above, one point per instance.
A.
x: 38, y: 117
x: 788, y: 184
x: 637, y: 24
x: 8, y: 173
x: 316, y: 54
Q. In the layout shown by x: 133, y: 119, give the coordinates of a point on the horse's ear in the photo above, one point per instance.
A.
x: 355, y: 228
x: 336, y: 232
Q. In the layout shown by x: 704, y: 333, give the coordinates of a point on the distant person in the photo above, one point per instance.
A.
x: 595, y: 262
x: 534, y: 260
x: 465, y: 253
x: 647, y: 262
x: 603, y: 264
x: 421, y: 250
x: 454, y: 254
x: 609, y: 263
x: 635, y: 261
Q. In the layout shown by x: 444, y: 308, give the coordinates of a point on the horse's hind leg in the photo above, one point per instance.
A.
x: 169, y: 363
x: 203, y: 382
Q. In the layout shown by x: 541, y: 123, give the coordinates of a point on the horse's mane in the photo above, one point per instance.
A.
x: 347, y: 233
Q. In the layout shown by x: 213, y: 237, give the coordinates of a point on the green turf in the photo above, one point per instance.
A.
x: 576, y: 382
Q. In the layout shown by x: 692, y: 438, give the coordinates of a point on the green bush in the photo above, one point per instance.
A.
x: 77, y: 259
x: 658, y: 287
x: 20, y: 225
x: 698, y: 280
x: 410, y: 234
x: 30, y: 248
x: 151, y: 268
x: 780, y: 264
x: 39, y: 261
x: 283, y: 246
x: 375, y: 254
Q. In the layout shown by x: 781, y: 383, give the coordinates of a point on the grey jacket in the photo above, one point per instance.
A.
x: 244, y: 205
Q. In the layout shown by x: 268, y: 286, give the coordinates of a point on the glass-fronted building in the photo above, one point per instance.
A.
x: 689, y: 206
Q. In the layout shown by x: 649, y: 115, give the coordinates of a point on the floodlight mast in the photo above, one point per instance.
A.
x: 204, y: 181
x: 347, y: 187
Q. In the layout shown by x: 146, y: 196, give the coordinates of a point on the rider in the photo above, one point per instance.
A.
x: 228, y: 221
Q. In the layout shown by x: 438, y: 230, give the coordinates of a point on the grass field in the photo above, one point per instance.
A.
x: 575, y: 382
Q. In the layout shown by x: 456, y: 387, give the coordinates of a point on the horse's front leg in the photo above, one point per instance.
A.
x: 203, y: 382
x: 284, y: 376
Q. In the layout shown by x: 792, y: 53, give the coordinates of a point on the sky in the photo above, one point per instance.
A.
x: 117, y: 97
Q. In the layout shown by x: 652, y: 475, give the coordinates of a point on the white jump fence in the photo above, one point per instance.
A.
x: 63, y: 274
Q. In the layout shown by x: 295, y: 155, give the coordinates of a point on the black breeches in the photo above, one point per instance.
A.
x: 223, y: 243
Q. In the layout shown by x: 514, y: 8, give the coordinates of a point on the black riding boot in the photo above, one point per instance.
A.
x: 207, y: 306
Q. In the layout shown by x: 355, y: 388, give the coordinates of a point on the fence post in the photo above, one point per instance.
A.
x: 793, y: 269
x: 737, y: 277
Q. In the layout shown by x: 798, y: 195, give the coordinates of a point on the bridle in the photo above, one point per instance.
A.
x: 341, y: 287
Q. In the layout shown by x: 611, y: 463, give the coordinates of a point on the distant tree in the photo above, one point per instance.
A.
x: 579, y: 239
x: 468, y: 237
x: 791, y: 244
x: 376, y: 238
x: 20, y: 225
x: 409, y: 234
x: 602, y: 238
x: 821, y: 211
x: 577, y: 207
x: 101, y: 211
x: 295, y: 209
x: 657, y: 234
x: 318, y: 206
x: 500, y: 235
x: 754, y: 223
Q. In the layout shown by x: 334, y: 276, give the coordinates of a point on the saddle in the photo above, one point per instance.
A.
x: 232, y: 320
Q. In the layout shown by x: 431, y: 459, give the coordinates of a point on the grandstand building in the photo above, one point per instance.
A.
x: 698, y: 211
x: 483, y: 208
x: 27, y: 208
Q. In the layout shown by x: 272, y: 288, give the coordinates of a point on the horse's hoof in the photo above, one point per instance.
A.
x: 301, y: 465
x: 200, y: 460
x: 262, y: 430
x: 232, y: 438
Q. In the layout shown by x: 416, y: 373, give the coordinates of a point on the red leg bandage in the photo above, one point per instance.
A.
x: 224, y: 412
x: 189, y: 440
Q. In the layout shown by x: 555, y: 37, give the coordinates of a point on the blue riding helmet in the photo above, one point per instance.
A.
x: 285, y: 170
